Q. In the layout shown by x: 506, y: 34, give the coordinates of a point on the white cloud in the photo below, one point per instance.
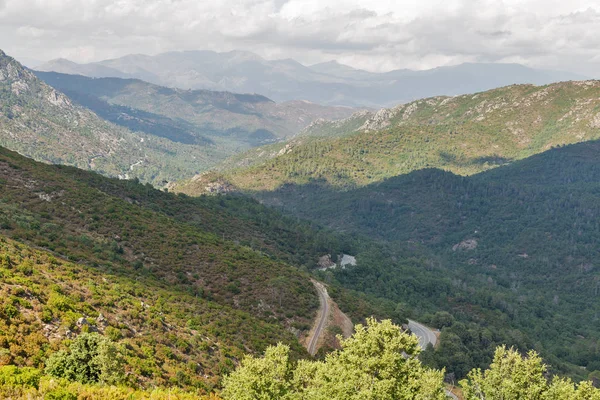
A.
x: 381, y: 35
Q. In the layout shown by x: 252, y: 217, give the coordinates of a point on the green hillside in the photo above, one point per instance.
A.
x: 182, y: 295
x: 501, y: 234
x: 463, y: 134
x: 246, y: 119
x: 40, y: 122
x: 189, y: 285
x: 515, y: 246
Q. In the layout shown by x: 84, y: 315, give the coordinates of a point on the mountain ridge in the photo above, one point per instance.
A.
x: 463, y: 134
x: 323, y: 83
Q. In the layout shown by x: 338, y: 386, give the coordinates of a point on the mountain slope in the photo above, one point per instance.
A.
x: 464, y: 134
x: 40, y: 122
x: 246, y: 120
x: 155, y: 259
x: 512, y: 251
x: 166, y: 134
x: 328, y: 83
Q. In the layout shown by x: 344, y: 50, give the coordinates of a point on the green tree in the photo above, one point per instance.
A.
x: 261, y: 378
x: 512, y: 376
x: 377, y: 362
x: 91, y: 358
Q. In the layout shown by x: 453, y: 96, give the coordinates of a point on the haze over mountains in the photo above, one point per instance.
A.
x: 247, y: 119
x: 131, y: 128
x: 326, y: 83
x: 476, y: 214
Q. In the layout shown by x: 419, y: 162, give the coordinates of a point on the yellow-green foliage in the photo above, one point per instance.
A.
x: 13, y: 387
x: 169, y: 337
x: 377, y: 362
x: 512, y: 376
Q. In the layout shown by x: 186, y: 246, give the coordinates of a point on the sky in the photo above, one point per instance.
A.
x: 375, y: 35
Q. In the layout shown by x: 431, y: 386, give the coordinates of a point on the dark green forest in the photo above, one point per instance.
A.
x: 511, y: 253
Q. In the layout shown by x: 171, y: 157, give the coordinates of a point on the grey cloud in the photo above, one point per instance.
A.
x: 495, y: 34
x: 87, y: 30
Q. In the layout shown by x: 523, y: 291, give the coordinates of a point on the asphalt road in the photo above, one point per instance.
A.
x: 425, y: 335
x: 323, y: 316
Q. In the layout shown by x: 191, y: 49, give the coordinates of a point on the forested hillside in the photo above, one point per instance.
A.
x: 510, y: 253
x: 464, y: 134
x: 185, y: 297
x: 238, y: 121
x: 521, y: 239
x: 174, y: 276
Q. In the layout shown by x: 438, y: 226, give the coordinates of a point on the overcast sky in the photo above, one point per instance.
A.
x: 376, y: 35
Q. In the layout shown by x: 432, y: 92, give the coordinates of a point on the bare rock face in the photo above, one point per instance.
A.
x: 58, y: 99
x: 219, y: 187
x: 469, y: 244
x: 325, y: 262
x: 381, y: 120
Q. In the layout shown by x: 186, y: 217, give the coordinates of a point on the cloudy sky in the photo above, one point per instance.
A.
x: 376, y: 35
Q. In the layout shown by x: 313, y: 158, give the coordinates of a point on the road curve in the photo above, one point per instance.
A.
x: 425, y: 335
x: 323, y: 317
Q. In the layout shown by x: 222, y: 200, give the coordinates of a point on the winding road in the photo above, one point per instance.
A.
x: 425, y: 335
x: 323, y: 317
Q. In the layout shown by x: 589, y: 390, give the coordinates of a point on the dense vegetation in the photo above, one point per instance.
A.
x: 172, y: 273
x: 379, y: 363
x: 510, y: 253
x: 185, y: 285
x: 247, y: 119
x: 465, y: 135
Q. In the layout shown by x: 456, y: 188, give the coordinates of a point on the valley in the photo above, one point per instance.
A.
x: 486, y: 212
x: 182, y: 236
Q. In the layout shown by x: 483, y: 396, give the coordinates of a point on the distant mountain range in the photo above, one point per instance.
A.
x: 131, y: 128
x: 325, y: 83
x: 182, y: 115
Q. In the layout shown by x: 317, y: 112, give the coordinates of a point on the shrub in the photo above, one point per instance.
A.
x: 91, y: 358
x: 14, y: 376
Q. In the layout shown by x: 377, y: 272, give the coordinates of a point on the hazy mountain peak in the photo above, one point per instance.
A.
x: 324, y: 83
x: 333, y: 64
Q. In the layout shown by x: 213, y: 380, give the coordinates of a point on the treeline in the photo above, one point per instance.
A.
x: 379, y: 362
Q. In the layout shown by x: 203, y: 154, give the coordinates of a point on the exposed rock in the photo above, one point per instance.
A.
x: 220, y: 187
x: 469, y: 244
x: 595, y: 122
x: 325, y: 262
x: 347, y: 260
x: 82, y: 321
x: 101, y: 320
x: 380, y: 120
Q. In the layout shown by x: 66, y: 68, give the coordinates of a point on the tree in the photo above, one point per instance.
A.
x: 261, y: 378
x: 512, y: 377
x: 91, y: 358
x: 377, y: 362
